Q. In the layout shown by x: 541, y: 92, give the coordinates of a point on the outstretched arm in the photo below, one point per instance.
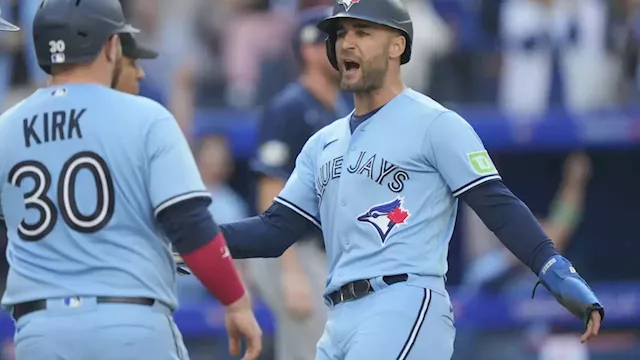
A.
x: 267, y: 235
x: 455, y: 150
x: 293, y: 214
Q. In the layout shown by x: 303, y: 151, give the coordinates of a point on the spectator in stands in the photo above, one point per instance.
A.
x: 628, y: 12
x: 170, y: 26
x: 432, y: 40
x: 557, y: 53
x: 496, y: 270
x: 257, y: 34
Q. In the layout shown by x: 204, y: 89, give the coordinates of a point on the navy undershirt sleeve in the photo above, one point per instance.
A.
x: 267, y: 235
x: 512, y: 222
x: 188, y: 224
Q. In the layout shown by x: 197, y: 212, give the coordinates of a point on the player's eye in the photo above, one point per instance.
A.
x: 361, y: 33
x: 341, y: 33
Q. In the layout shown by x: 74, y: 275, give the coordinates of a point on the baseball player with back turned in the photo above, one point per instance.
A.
x: 95, y: 187
x: 383, y: 185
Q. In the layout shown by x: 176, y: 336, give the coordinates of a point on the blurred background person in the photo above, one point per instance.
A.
x: 558, y: 53
x: 433, y: 39
x: 293, y: 285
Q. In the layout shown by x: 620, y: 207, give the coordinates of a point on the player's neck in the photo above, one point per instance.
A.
x: 321, y: 87
x: 366, y: 102
x: 82, y: 75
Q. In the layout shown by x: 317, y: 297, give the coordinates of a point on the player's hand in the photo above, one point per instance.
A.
x: 298, y: 298
x: 577, y: 168
x: 593, y: 327
x: 241, y: 322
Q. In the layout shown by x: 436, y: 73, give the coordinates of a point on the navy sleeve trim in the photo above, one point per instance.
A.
x: 188, y: 224
x: 178, y: 198
x: 267, y: 235
x: 299, y: 211
x: 470, y: 185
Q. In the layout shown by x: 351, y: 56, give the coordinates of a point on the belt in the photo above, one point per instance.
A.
x: 359, y: 288
x: 22, y: 309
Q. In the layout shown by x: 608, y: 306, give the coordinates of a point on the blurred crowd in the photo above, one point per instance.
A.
x: 524, y: 55
x: 525, y: 58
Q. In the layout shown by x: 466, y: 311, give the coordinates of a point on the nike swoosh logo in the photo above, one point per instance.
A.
x: 329, y: 143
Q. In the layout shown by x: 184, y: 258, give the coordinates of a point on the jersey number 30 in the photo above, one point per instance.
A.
x: 38, y: 200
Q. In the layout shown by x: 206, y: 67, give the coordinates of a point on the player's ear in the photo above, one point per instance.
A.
x: 113, y: 48
x: 396, y: 46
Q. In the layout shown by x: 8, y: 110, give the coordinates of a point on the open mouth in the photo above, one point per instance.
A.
x: 350, y: 66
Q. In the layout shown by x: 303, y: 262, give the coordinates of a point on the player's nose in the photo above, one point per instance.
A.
x: 141, y: 73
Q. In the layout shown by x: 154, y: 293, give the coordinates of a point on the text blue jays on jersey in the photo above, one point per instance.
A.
x: 372, y: 166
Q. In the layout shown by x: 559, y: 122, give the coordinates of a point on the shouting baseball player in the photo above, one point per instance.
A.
x: 95, y: 187
x: 383, y: 185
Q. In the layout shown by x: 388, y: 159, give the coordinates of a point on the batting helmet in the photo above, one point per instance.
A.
x: 7, y: 26
x: 74, y: 31
x: 390, y: 13
x: 134, y: 49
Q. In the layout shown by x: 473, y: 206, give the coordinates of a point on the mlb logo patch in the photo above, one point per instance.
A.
x: 58, y: 59
x: 72, y: 302
x: 385, y: 217
x: 348, y: 3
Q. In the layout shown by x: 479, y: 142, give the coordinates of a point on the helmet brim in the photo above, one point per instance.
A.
x: 127, y: 29
x: 134, y: 49
x: 7, y: 26
x: 145, y: 53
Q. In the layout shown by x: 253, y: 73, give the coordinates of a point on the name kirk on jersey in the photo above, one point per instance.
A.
x: 371, y: 166
x: 53, y: 126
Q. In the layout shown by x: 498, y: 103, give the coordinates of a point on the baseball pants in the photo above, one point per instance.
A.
x: 397, y: 322
x: 81, y: 330
x: 295, y: 338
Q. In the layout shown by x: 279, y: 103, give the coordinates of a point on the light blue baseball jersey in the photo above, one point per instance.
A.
x: 84, y: 170
x: 385, y: 196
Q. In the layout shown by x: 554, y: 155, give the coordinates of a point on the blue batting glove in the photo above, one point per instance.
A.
x: 569, y: 289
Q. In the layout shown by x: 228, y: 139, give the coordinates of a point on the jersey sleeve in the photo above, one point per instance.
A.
x: 454, y: 148
x: 172, y: 172
x: 277, y: 146
x: 299, y: 193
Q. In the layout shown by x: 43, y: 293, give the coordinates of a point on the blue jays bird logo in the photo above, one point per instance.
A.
x: 385, y: 217
x: 348, y: 3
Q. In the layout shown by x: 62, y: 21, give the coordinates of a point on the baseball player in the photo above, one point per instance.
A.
x: 96, y: 186
x: 292, y: 286
x: 131, y: 73
x: 383, y: 185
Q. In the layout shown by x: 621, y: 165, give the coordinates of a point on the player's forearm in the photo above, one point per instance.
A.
x: 268, y: 235
x: 203, y: 248
x: 268, y: 188
x: 512, y: 222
